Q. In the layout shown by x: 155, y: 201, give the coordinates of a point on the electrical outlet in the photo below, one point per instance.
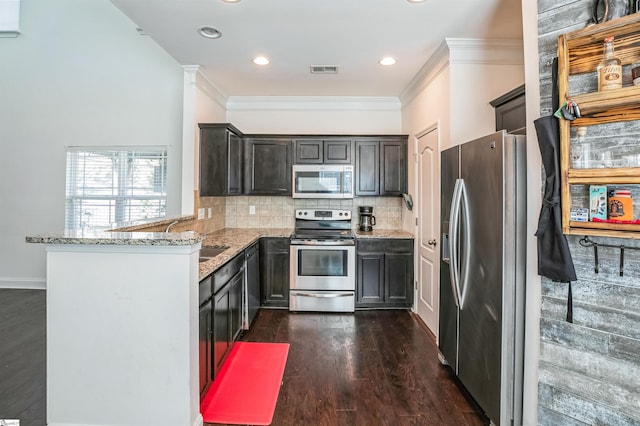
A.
x: 201, y: 213
x: 252, y: 209
x: 210, y: 212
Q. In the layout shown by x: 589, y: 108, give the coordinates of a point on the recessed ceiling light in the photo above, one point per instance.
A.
x: 209, y: 32
x: 231, y: 1
x: 261, y: 60
x: 415, y: 1
x: 387, y: 61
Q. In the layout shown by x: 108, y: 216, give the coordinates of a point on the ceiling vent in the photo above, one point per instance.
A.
x: 323, y: 69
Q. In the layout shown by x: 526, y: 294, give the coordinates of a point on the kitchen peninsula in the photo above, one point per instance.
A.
x: 122, y: 321
x: 122, y: 328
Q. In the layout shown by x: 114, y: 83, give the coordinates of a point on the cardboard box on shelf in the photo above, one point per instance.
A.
x: 620, y: 205
x: 579, y: 214
x: 598, y: 202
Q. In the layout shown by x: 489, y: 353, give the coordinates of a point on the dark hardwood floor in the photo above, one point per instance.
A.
x: 23, y: 356
x: 368, y: 368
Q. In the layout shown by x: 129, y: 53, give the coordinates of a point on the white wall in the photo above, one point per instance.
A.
x: 79, y: 74
x: 481, y: 71
x: 472, y: 116
x: 430, y: 106
x: 454, y: 89
x: 534, y: 201
x: 308, y: 115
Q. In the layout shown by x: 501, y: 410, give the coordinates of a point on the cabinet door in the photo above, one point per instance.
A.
x: 367, y: 168
x: 268, y: 166
x: 398, y: 270
x: 220, y: 160
x: 235, y: 305
x: 221, y: 328
x: 337, y: 151
x: 204, y: 346
x: 235, y: 171
x: 274, y: 271
x: 309, y: 151
x: 252, y: 272
x: 370, y: 279
x: 393, y: 167
x: 384, y: 273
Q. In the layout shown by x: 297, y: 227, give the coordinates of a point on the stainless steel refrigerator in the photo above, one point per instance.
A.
x: 482, y: 275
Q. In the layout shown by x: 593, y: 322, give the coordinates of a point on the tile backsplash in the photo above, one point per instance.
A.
x: 278, y: 212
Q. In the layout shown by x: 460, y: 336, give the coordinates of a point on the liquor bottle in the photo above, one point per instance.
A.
x: 610, y: 68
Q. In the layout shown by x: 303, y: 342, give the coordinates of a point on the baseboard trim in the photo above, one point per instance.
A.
x: 23, y: 283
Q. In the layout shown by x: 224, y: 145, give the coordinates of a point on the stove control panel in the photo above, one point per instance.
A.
x: 323, y: 214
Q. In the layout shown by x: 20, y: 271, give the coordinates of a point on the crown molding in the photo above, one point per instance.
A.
x: 485, y: 51
x: 203, y: 83
x: 435, y: 65
x: 456, y: 51
x: 334, y: 103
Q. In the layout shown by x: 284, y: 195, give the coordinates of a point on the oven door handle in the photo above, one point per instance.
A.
x: 323, y: 243
x: 323, y: 295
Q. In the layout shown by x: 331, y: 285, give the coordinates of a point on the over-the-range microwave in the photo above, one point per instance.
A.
x: 322, y: 181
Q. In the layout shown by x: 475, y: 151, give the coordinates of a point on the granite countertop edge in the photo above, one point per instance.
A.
x: 235, y: 240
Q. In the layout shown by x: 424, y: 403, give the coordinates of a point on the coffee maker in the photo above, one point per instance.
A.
x: 367, y: 219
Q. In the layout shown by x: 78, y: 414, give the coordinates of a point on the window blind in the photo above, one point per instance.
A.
x: 105, y: 186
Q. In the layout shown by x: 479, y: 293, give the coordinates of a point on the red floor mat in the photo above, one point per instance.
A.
x: 246, y: 389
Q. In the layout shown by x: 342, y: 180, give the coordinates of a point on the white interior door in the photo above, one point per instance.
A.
x: 428, y: 228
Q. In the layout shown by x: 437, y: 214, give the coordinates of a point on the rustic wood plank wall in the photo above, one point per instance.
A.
x: 589, y: 369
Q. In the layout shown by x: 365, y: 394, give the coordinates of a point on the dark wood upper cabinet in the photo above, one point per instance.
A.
x: 232, y: 163
x: 221, y: 162
x: 323, y: 151
x: 367, y: 168
x: 267, y: 168
x: 381, y: 166
x: 393, y: 167
x: 511, y: 111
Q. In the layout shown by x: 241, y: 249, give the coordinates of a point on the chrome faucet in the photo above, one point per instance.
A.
x: 170, y: 225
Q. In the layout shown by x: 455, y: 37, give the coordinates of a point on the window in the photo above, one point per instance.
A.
x: 114, y: 185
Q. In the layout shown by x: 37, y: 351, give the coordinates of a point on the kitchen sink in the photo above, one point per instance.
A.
x: 208, y: 253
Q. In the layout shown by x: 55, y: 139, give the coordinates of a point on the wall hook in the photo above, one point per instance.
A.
x: 586, y: 242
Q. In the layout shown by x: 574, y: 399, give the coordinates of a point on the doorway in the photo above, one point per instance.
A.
x: 428, y: 227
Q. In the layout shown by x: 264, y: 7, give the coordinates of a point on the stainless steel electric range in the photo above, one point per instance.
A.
x: 323, y: 262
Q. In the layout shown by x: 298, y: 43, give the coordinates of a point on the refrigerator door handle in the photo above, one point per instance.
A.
x: 454, y: 221
x: 465, y: 252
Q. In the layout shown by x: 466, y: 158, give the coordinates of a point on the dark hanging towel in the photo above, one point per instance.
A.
x: 554, y: 257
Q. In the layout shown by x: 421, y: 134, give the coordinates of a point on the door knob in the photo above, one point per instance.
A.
x: 432, y: 242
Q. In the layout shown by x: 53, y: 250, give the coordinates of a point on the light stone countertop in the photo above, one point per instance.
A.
x: 235, y: 239
x: 384, y: 233
x: 102, y: 237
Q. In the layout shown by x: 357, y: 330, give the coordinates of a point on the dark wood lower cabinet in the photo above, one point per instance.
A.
x: 274, y: 272
x: 227, y: 309
x: 221, y: 329
x: 204, y: 345
x: 205, y: 334
x: 384, y: 276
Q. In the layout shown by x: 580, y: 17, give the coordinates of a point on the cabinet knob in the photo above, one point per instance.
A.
x: 432, y: 242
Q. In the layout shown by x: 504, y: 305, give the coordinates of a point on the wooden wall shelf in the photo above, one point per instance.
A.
x: 579, y: 52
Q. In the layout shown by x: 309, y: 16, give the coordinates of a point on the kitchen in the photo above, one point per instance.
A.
x: 143, y: 101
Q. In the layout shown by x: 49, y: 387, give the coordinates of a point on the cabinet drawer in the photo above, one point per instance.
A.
x: 205, y: 290
x: 224, y: 274
x: 385, y: 245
